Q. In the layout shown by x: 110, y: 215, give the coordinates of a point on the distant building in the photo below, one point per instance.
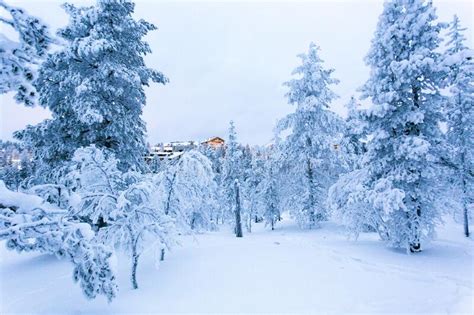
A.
x: 214, y: 142
x: 170, y: 150
x: 174, y: 149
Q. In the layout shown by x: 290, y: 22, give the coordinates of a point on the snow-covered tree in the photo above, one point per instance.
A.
x: 21, y: 56
x: 269, y: 195
x: 123, y: 207
x: 140, y: 221
x: 252, y: 188
x: 232, y: 174
x: 27, y: 223
x: 188, y: 191
x: 460, y: 115
x: 94, y: 87
x: 403, y: 122
x: 308, y: 151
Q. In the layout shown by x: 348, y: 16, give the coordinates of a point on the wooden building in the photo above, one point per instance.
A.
x: 215, y: 142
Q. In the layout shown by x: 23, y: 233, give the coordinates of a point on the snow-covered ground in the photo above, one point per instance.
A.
x: 286, y: 270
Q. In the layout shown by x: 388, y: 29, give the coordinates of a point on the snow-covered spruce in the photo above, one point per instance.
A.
x: 19, y: 60
x: 308, y: 156
x: 460, y: 117
x: 95, y: 84
x: 252, y: 188
x: 232, y: 174
x: 28, y: 223
x: 403, y: 123
x: 269, y: 197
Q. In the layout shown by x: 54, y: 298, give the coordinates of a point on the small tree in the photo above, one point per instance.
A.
x: 269, y: 195
x: 252, y: 187
x: 140, y: 219
x: 124, y: 208
x: 188, y: 191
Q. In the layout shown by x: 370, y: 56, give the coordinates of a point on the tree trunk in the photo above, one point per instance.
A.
x: 312, y: 215
x: 162, y: 256
x: 249, y: 225
x: 465, y: 211
x: 59, y: 197
x: 238, y: 220
x: 464, y: 191
x: 415, y: 247
x: 135, y: 257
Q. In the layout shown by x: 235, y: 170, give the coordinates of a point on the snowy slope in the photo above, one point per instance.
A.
x: 286, y: 270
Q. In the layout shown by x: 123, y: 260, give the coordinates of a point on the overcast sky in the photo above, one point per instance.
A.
x: 227, y: 60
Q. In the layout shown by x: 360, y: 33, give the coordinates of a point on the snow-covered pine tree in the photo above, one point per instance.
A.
x: 19, y: 60
x: 232, y: 173
x: 308, y: 151
x: 269, y: 194
x: 252, y: 188
x: 246, y: 159
x: 460, y: 115
x: 94, y: 87
x: 403, y: 122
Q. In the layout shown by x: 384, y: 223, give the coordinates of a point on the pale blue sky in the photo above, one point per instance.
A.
x: 227, y: 60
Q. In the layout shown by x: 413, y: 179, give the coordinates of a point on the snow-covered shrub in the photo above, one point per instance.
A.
x: 349, y: 204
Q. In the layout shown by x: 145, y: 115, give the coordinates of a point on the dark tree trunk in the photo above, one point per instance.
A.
x: 162, y: 256
x: 464, y: 191
x: 413, y: 129
x: 59, y: 197
x: 135, y: 257
x: 238, y: 220
x: 312, y: 215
